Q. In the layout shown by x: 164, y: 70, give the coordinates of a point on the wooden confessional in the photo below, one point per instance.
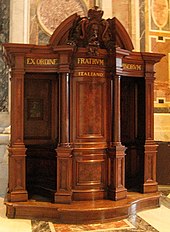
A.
x: 81, y: 124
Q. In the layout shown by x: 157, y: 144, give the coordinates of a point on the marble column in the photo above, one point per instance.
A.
x: 135, y: 24
x: 19, y: 21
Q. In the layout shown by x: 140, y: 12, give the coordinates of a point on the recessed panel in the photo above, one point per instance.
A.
x: 90, y: 117
x: 89, y: 172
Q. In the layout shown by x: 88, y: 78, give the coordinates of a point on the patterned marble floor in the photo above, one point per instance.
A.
x: 149, y: 220
x: 134, y: 223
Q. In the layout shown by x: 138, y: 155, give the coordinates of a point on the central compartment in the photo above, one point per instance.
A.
x: 89, y: 134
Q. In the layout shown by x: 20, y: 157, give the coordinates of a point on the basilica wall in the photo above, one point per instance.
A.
x: 157, y: 39
x: 4, y: 93
x: 33, y: 21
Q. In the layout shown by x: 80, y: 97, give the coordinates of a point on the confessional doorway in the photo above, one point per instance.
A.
x: 41, y: 133
x: 133, y: 130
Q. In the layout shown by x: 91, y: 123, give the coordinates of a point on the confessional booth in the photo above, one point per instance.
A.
x: 82, y: 132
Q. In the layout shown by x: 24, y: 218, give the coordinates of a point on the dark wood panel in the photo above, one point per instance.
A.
x: 89, y: 103
x: 89, y: 169
x: 41, y: 169
x: 37, y: 109
x: 89, y: 109
x: 40, y: 108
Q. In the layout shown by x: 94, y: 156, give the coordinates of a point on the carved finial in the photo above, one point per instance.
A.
x: 95, y: 13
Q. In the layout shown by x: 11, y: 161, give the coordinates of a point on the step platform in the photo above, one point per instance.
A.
x: 83, y: 211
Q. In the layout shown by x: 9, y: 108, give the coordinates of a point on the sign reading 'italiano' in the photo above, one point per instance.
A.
x: 90, y: 74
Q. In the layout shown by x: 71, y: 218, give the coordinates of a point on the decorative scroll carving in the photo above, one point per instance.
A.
x: 92, y: 32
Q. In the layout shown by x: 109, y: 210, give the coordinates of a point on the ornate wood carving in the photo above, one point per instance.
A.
x: 91, y: 97
x: 99, y: 32
x: 94, y: 32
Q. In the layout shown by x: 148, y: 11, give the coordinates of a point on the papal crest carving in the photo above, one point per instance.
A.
x: 92, y: 32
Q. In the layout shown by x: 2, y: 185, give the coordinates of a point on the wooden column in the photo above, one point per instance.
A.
x: 116, y: 153
x: 150, y: 147
x: 17, y: 181
x: 64, y: 150
x: 64, y: 109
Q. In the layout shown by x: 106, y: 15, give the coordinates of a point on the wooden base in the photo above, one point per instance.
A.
x: 83, y: 211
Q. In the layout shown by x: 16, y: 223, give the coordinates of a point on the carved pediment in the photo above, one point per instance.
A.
x: 92, y: 32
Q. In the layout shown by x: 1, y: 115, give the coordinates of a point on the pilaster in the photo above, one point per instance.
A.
x: 17, y: 151
x: 150, y: 147
x: 64, y: 151
x: 116, y: 153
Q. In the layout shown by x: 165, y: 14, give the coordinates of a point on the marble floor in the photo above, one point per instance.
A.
x: 149, y: 220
